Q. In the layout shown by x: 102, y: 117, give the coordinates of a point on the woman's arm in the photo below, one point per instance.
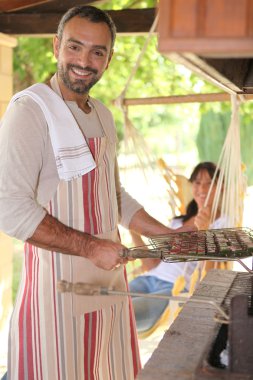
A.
x: 203, y: 218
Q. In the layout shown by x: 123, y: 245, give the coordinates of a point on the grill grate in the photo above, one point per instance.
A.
x: 219, y: 244
x: 242, y: 284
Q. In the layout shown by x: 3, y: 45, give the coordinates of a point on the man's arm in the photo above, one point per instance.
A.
x: 144, y: 224
x: 55, y: 236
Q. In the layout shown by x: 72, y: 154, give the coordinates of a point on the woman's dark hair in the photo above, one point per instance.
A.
x: 192, y: 208
x: 92, y: 14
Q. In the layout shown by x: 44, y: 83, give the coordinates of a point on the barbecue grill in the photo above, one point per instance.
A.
x: 212, y: 338
x: 227, y: 244
x: 218, y: 318
x: 201, y: 344
x: 194, y: 345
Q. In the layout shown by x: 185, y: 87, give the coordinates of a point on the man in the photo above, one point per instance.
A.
x: 60, y: 193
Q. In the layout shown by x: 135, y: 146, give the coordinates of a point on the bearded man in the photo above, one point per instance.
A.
x: 60, y: 193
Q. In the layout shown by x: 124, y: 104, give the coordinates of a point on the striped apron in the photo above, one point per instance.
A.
x: 63, y: 336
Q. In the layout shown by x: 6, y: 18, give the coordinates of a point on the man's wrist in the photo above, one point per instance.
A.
x: 87, y: 244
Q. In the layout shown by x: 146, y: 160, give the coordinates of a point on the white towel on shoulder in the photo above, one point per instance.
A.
x: 72, y: 154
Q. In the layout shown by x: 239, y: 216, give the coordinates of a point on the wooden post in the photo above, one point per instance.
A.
x: 7, y: 44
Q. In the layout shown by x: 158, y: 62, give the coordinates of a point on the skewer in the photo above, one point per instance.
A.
x: 81, y: 288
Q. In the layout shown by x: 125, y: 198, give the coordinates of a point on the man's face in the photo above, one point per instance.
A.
x: 83, y: 54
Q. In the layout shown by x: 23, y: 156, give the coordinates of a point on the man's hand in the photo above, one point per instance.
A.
x: 105, y: 254
x: 53, y: 235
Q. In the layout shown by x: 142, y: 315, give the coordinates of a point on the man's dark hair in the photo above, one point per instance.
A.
x: 91, y: 13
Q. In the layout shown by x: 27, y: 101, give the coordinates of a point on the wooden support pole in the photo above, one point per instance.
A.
x: 174, y: 99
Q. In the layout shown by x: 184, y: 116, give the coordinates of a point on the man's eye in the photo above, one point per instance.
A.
x: 73, y: 47
x: 99, y: 53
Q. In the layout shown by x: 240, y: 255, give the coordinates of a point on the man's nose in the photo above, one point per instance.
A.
x: 84, y: 58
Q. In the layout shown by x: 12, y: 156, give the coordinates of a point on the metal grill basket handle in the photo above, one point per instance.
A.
x: 137, y: 253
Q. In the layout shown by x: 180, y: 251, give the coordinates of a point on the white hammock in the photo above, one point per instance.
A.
x: 231, y: 183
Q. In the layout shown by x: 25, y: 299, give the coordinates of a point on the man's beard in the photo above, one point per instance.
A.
x: 78, y: 86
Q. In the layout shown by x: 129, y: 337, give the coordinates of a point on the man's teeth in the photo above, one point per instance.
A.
x: 80, y: 72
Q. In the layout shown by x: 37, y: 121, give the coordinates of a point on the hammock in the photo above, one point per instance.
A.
x: 133, y: 140
x: 231, y: 183
x: 230, y: 186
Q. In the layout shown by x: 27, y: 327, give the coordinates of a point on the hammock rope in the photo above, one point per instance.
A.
x: 120, y: 100
x: 133, y: 140
x: 231, y: 183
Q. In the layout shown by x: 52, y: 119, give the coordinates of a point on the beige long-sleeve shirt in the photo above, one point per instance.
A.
x: 28, y: 173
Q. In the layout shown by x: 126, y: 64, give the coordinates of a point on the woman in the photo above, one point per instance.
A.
x: 161, y: 276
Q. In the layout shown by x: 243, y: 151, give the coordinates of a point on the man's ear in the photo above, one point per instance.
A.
x: 56, y: 46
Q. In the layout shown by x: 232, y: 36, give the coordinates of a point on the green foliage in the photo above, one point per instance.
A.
x: 156, y: 76
x: 214, y: 123
x: 127, y: 4
x: 211, y: 134
x: 33, y: 61
x: 247, y: 139
x: 173, y: 130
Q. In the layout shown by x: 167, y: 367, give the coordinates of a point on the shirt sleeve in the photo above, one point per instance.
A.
x: 127, y: 205
x: 22, y: 144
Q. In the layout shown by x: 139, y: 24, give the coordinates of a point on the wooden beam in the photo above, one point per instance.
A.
x: 127, y: 21
x: 248, y: 81
x: 200, y: 66
x: 14, y: 5
x: 133, y: 20
x: 175, y: 99
x: 29, y: 24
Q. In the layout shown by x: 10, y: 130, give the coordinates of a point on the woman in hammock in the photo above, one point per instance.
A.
x: 161, y: 277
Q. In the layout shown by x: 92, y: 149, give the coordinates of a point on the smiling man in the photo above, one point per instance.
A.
x: 83, y: 52
x: 60, y: 193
